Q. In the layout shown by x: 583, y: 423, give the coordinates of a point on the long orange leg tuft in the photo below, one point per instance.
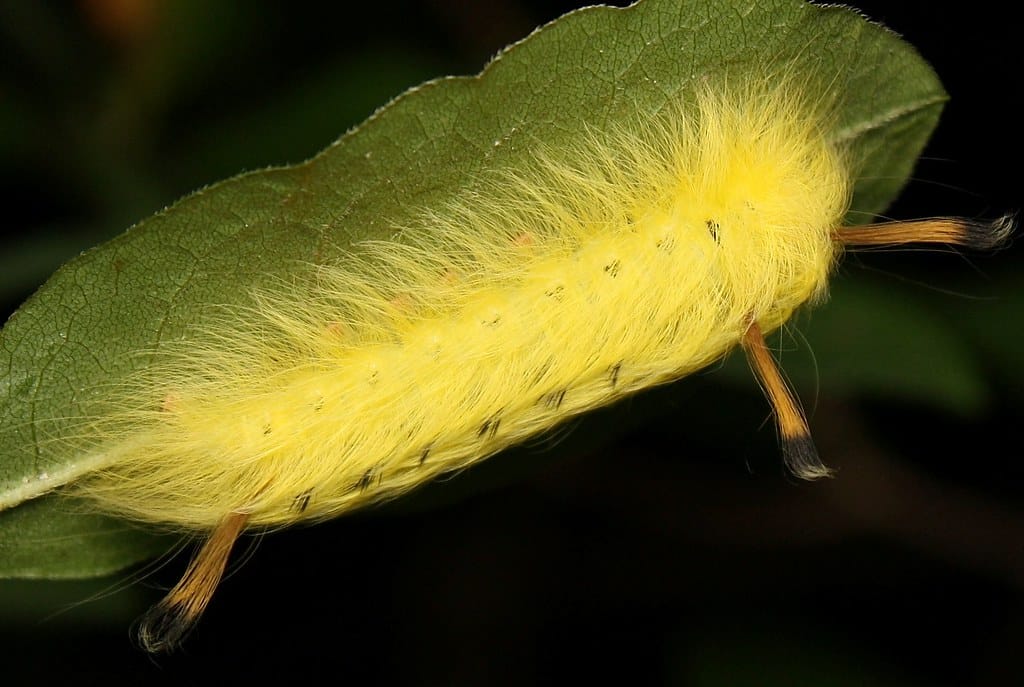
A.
x: 167, y: 623
x: 797, y: 446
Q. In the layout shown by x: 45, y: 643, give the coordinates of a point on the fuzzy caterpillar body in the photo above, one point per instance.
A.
x: 628, y: 259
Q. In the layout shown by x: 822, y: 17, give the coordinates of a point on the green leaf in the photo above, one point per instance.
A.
x: 298, y: 121
x: 876, y: 345
x: 992, y: 324
x: 874, y: 339
x: 48, y: 538
x: 591, y: 68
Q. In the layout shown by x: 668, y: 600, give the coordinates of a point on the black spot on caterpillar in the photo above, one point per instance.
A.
x: 489, y: 428
x: 302, y: 501
x: 554, y: 399
x: 713, y: 229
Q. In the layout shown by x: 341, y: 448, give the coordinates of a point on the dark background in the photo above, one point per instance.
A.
x: 677, y: 553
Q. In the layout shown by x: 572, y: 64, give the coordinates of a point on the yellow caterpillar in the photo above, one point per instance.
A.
x: 627, y: 261
x: 628, y: 258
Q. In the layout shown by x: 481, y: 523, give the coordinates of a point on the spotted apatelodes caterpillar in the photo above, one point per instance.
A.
x: 627, y: 257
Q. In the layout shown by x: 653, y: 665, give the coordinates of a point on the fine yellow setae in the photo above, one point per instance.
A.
x: 628, y: 260
x: 628, y: 257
